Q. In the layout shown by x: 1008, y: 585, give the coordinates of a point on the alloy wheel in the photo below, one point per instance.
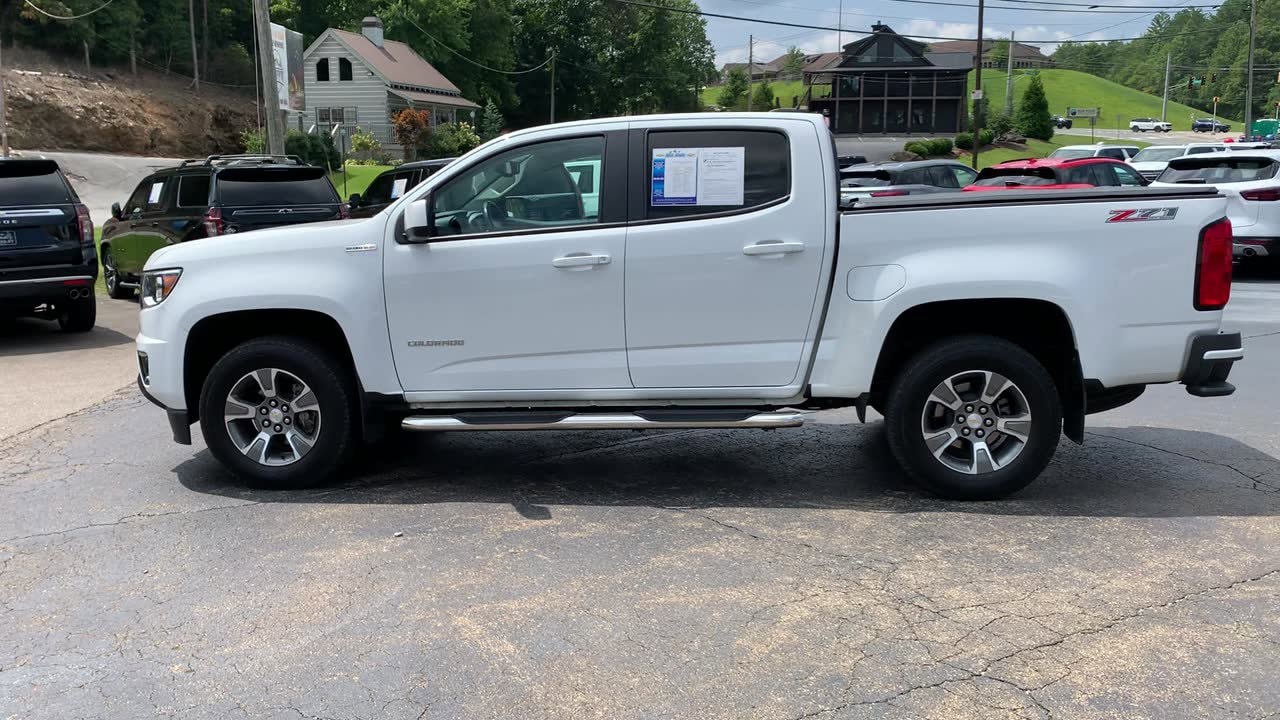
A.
x: 976, y: 422
x: 272, y: 417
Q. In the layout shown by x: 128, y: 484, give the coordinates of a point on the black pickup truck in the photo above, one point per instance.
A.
x: 48, y: 263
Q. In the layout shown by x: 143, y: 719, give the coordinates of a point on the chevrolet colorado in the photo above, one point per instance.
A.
x: 714, y: 283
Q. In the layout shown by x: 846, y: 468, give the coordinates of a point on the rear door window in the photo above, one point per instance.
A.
x: 963, y: 175
x: 248, y: 187
x: 942, y: 177
x: 193, y: 191
x: 379, y: 191
x: 864, y: 178
x: 1113, y: 153
x: 1126, y: 176
x: 32, y: 183
x: 765, y: 168
x: 1216, y: 170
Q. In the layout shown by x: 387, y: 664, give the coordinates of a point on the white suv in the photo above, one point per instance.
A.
x: 1116, y: 152
x: 1153, y: 160
x: 1249, y: 181
x: 1149, y: 124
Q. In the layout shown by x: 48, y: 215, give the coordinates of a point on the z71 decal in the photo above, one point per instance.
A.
x: 1168, y: 213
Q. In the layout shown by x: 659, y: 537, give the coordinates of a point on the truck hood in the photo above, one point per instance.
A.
x: 310, y: 237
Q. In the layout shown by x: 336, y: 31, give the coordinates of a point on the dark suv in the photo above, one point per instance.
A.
x: 1210, y: 126
x: 47, y: 262
x: 220, y: 195
x: 390, y: 185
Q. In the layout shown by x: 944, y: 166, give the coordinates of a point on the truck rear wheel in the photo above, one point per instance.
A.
x: 79, y: 315
x: 279, y: 412
x: 973, y: 418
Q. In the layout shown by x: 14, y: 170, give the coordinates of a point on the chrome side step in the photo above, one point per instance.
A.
x: 656, y: 420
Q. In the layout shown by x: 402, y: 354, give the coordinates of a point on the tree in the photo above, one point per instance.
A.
x: 999, y: 57
x: 412, y: 129
x: 762, y: 98
x: 734, y: 92
x: 793, y: 64
x: 491, y: 122
x: 1032, y: 118
x: 453, y: 139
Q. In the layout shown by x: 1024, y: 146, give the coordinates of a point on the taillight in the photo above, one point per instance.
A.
x: 1213, y: 266
x: 86, y: 225
x: 213, y: 224
x: 1265, y: 194
x: 888, y: 193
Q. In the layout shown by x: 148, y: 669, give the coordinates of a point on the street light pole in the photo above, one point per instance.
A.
x: 1248, y: 85
x: 977, y: 90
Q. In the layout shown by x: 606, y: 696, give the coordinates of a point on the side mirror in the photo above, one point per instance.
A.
x: 508, y: 169
x: 116, y: 212
x: 419, y: 223
x: 355, y: 200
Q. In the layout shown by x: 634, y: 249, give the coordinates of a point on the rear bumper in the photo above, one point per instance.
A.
x: 36, y: 291
x: 1209, y: 362
x: 1260, y: 247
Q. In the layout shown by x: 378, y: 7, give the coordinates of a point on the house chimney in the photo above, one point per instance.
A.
x: 371, y: 27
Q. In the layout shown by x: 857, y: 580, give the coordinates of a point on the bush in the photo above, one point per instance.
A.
x: 964, y: 141
x: 1032, y: 118
x: 940, y: 146
x: 1000, y: 124
x: 453, y: 139
x: 364, y: 141
x: 986, y: 137
x: 917, y: 147
x: 313, y: 149
x: 253, y: 140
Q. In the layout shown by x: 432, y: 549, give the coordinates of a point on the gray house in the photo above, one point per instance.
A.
x: 362, y: 80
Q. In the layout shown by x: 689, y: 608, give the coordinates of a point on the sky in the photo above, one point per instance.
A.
x: 730, y: 36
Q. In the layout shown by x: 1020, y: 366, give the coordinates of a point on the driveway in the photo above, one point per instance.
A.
x: 689, y: 574
x: 100, y: 178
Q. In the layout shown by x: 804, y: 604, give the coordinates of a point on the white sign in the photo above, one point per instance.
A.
x: 975, y: 95
x: 280, y: 58
x: 397, y: 187
x: 698, y: 176
x: 1082, y: 112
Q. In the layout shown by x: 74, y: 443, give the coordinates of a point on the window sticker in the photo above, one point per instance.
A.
x: 698, y: 176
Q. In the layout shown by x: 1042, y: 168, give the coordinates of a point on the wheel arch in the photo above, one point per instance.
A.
x: 1040, y: 327
x: 213, y: 336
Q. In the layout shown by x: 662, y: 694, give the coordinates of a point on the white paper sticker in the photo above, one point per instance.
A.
x: 397, y: 187
x: 156, y: 189
x: 698, y: 176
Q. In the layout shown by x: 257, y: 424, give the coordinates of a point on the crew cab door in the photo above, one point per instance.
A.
x: 518, y: 286
x: 725, y: 248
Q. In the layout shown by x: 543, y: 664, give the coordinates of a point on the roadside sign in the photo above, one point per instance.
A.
x: 1082, y: 112
x: 976, y: 95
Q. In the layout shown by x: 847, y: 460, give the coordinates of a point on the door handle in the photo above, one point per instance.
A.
x: 579, y: 260
x: 773, y: 247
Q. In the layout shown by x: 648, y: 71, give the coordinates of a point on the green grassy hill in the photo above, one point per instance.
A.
x: 784, y: 90
x: 1065, y: 88
x: 1072, y: 88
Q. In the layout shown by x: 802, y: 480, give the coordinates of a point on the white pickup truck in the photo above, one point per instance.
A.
x: 714, y: 284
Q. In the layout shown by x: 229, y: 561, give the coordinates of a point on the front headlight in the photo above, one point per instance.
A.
x: 157, y: 284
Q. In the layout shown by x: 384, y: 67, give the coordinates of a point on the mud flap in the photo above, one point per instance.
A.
x: 1073, y: 400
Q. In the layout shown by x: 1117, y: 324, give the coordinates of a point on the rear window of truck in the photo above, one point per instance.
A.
x: 868, y: 178
x: 28, y: 182
x: 1215, y: 170
x: 249, y: 187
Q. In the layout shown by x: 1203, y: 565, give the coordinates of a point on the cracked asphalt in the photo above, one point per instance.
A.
x: 688, y: 574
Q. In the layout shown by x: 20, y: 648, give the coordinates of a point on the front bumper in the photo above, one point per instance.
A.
x: 1247, y: 247
x: 1209, y: 362
x: 179, y: 420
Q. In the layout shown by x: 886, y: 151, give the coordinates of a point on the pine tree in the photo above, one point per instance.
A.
x: 491, y: 121
x: 1032, y: 118
x: 734, y: 92
x: 762, y: 98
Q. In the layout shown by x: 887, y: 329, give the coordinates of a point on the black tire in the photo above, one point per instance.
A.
x: 323, y: 374
x: 909, y: 396
x: 112, y: 278
x: 78, y: 315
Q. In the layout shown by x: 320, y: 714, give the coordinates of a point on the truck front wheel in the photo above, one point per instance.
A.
x: 973, y: 418
x: 279, y: 412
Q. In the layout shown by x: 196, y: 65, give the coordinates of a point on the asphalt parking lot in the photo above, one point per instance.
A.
x: 688, y: 574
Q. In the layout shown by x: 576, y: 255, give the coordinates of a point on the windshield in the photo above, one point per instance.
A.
x: 275, y: 186
x: 1158, y: 154
x: 32, y: 183
x: 1215, y: 171
x: 1072, y: 153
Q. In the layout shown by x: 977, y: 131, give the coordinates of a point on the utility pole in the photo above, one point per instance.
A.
x: 553, y: 86
x: 1164, y: 104
x: 751, y: 60
x: 4, y: 122
x: 977, y: 89
x: 266, y: 70
x: 840, y: 28
x: 1248, y: 85
x: 195, y: 57
x: 1008, y: 80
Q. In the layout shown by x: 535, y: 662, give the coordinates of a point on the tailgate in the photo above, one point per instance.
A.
x: 38, y: 236
x: 256, y: 218
x: 253, y: 198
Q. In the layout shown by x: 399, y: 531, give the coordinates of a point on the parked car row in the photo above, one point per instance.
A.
x: 1248, y: 178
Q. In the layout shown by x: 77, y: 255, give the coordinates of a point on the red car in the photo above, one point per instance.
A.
x: 1056, y: 174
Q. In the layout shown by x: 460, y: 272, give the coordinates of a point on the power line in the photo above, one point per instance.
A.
x: 859, y: 13
x: 42, y: 11
x: 1090, y: 6
x: 780, y: 23
x: 1037, y: 9
x: 473, y: 62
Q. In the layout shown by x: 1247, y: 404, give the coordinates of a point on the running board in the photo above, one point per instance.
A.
x: 645, y: 420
